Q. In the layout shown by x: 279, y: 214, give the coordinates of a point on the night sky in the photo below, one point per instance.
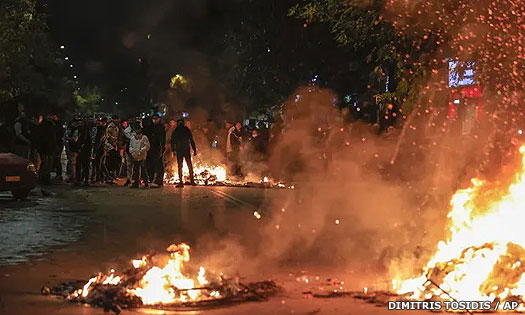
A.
x: 107, y: 41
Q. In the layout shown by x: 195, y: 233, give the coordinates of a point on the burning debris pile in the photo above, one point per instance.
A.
x: 206, y: 174
x: 152, y: 284
x: 483, y: 259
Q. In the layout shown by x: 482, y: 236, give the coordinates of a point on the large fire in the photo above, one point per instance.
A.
x: 204, y: 173
x: 154, y: 284
x: 483, y: 257
x: 216, y: 174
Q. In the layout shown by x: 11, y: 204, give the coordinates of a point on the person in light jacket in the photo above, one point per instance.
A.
x: 138, y: 149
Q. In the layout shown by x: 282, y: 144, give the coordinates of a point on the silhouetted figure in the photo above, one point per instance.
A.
x: 84, y: 146
x: 111, y: 148
x: 235, y: 138
x: 22, y: 136
x: 98, y: 168
x: 155, y: 161
x: 181, y: 140
x: 46, y: 145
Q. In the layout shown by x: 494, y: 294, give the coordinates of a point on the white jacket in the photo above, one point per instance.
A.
x: 138, y: 148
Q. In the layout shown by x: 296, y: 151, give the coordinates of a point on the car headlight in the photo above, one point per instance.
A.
x: 31, y: 167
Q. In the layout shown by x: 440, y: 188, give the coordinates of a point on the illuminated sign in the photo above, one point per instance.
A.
x: 461, y: 73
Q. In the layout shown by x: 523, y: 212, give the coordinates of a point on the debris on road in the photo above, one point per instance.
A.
x: 154, y: 285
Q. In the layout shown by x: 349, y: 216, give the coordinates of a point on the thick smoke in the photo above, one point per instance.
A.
x: 370, y: 202
x: 351, y: 207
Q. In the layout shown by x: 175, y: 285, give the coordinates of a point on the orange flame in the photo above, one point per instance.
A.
x: 484, y: 254
x: 160, y: 284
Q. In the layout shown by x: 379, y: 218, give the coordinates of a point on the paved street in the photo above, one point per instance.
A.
x: 83, y: 232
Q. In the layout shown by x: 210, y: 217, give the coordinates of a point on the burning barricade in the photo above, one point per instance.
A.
x: 208, y: 174
x: 483, y: 258
x: 204, y: 174
x: 162, y: 284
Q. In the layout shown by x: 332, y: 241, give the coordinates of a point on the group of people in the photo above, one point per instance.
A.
x: 87, y: 150
x: 106, y: 149
x: 134, y: 148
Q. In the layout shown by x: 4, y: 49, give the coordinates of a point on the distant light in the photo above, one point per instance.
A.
x: 268, y: 49
x: 74, y: 77
x: 71, y: 66
x: 62, y: 47
x: 457, y: 101
x: 520, y: 132
x: 102, y: 100
x: 116, y: 103
x: 185, y: 114
x: 66, y: 58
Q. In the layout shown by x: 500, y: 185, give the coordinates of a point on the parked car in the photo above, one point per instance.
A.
x: 17, y: 175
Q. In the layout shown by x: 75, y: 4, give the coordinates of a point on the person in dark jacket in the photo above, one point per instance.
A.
x: 47, y: 134
x: 85, y: 145
x: 98, y: 168
x: 23, y: 136
x: 181, y: 140
x: 154, y: 161
x: 236, y: 143
x: 59, y: 147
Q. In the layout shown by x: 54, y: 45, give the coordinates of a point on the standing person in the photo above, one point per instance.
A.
x: 99, y: 150
x: 111, y: 148
x: 147, y: 130
x: 128, y: 133
x: 258, y: 144
x: 22, y: 136
x: 235, y: 147
x: 229, y: 130
x: 72, y: 147
x: 84, y: 146
x: 46, y: 148
x: 169, y: 160
x: 138, y: 148
x: 181, y: 140
x: 169, y: 130
x: 155, y: 154
x: 59, y: 147
x: 264, y: 134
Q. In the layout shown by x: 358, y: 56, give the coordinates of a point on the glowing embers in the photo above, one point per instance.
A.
x: 483, y: 257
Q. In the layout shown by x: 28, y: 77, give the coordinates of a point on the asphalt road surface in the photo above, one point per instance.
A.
x: 75, y: 233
